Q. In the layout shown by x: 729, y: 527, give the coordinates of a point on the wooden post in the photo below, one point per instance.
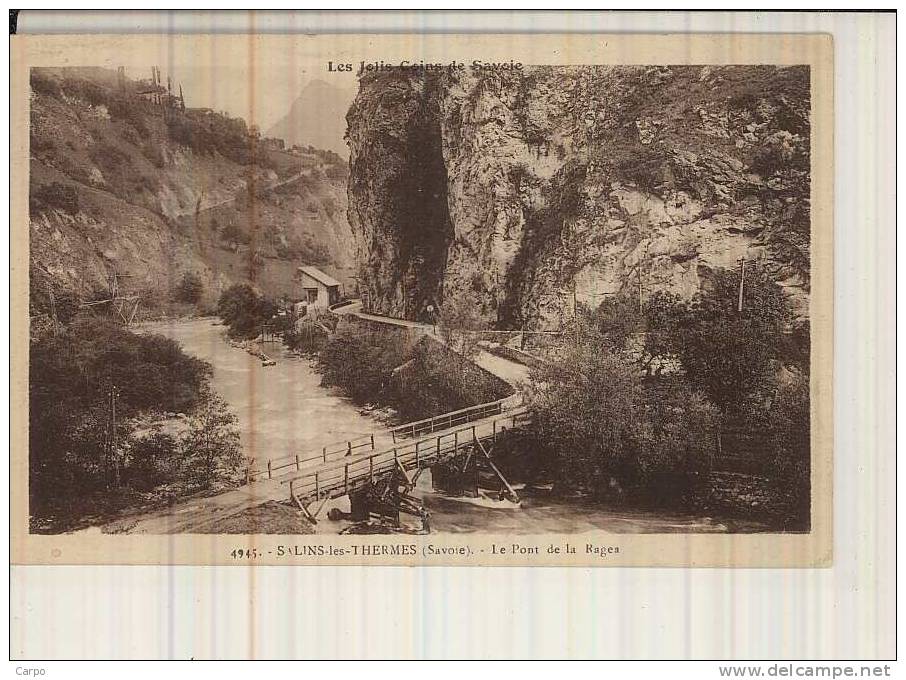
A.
x: 455, y: 443
x: 417, y: 464
x: 371, y: 469
x: 324, y: 453
x: 317, y: 487
x: 349, y: 448
x: 298, y: 466
x: 742, y: 278
x: 269, y: 474
x: 372, y: 441
x: 346, y: 478
x: 393, y: 435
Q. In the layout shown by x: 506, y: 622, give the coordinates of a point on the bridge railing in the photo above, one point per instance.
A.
x: 447, y: 420
x: 270, y: 468
x: 343, y: 476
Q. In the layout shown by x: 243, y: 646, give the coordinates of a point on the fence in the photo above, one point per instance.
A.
x: 447, y: 420
x: 297, y: 461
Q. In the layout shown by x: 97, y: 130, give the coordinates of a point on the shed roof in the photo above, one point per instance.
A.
x: 319, y: 276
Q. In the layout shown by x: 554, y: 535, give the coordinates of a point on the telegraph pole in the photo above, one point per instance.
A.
x: 114, y: 392
x: 53, y: 313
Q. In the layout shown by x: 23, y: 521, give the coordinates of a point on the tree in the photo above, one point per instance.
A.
x: 189, y: 289
x: 584, y: 413
x: 602, y: 423
x: 789, y: 433
x: 151, y: 460
x: 459, y: 324
x: 729, y: 354
x: 211, y: 450
x: 244, y: 310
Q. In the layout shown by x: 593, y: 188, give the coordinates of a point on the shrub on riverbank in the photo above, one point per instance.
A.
x: 417, y: 377
x: 609, y: 434
x: 244, y: 310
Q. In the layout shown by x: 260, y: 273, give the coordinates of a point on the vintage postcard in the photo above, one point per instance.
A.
x: 422, y: 300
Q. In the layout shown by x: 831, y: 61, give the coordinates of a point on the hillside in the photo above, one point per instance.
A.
x: 119, y: 181
x: 524, y: 190
x: 317, y: 118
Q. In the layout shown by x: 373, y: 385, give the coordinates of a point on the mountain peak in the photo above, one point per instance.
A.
x: 317, y: 117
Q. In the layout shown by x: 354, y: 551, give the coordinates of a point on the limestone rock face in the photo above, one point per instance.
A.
x: 524, y: 190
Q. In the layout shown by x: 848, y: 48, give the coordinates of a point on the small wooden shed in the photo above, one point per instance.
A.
x: 316, y: 288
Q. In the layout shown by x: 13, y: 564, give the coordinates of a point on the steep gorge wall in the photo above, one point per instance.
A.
x: 518, y: 190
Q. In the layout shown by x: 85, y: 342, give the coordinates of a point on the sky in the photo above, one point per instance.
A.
x: 254, y: 78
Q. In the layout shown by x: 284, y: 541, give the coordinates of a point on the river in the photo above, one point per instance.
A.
x: 284, y: 408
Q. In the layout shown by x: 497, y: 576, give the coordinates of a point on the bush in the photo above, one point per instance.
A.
x: 44, y: 83
x: 54, y: 196
x: 244, y: 310
x: 210, y: 448
x: 359, y: 360
x: 606, y: 433
x: 730, y: 355
x: 189, y: 289
x: 151, y: 461
x: 85, y: 90
x: 130, y: 111
x: 789, y: 433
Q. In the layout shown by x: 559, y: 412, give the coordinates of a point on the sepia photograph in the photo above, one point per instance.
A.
x: 419, y: 298
x: 453, y: 335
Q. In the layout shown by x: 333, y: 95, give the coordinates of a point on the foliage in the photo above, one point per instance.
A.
x: 789, y: 434
x: 602, y: 426
x: 211, y: 449
x: 44, y: 83
x: 305, y: 336
x: 617, y: 319
x: 130, y: 111
x: 70, y: 406
x: 233, y: 233
x: 189, y: 289
x: 676, y: 436
x: 151, y: 460
x: 459, y: 323
x: 54, y: 196
x: 85, y: 90
x: 244, y: 310
x: 729, y: 354
x: 359, y: 359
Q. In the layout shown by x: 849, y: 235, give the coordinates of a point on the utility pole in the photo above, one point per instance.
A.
x: 114, y: 392
x: 53, y: 313
x: 742, y: 278
x: 575, y: 312
x: 640, y: 285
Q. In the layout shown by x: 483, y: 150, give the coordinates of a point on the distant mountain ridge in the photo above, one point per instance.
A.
x: 317, y: 118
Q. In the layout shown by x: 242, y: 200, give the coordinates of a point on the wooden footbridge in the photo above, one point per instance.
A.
x: 379, y: 481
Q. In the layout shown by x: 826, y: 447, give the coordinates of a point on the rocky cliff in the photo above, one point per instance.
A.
x: 124, y: 178
x: 522, y: 190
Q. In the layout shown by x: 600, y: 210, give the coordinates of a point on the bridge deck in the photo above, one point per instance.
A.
x: 337, y: 478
